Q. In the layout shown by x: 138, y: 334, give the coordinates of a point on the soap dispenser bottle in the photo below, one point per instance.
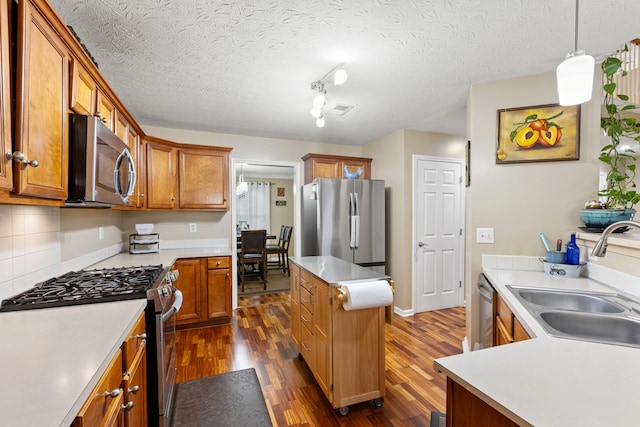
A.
x: 573, y: 251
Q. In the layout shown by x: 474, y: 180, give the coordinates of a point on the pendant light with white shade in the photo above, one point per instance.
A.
x: 575, y: 74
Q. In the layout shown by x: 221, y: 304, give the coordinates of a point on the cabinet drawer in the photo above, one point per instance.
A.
x: 306, y: 347
x: 306, y: 318
x: 306, y: 280
x: 134, y: 341
x: 105, y: 399
x: 306, y: 300
x: 218, y: 262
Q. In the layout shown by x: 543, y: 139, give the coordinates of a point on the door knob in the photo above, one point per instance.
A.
x: 420, y: 244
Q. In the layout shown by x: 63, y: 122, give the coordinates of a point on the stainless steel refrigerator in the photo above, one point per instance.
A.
x: 345, y: 218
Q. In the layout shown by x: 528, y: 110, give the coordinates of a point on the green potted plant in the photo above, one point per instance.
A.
x: 620, y: 194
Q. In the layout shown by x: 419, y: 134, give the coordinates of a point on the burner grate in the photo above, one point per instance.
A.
x: 85, y: 287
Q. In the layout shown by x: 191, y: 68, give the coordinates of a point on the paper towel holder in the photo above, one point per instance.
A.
x: 342, y: 295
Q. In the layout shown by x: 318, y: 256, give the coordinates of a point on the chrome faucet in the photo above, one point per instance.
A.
x: 601, y: 247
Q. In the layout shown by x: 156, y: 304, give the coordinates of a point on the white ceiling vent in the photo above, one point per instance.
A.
x: 340, y: 109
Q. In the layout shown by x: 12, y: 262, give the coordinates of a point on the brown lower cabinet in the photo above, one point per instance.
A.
x: 465, y: 409
x: 119, y: 398
x: 343, y: 349
x: 506, y: 326
x: 205, y: 284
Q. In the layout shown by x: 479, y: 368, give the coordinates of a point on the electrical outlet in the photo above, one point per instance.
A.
x: 484, y: 235
x: 101, y: 233
x: 193, y: 227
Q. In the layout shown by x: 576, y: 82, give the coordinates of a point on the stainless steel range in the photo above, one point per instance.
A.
x: 152, y: 282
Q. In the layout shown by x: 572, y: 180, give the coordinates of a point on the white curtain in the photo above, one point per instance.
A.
x: 254, y: 206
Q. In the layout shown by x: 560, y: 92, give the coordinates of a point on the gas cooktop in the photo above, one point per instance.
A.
x: 86, y: 287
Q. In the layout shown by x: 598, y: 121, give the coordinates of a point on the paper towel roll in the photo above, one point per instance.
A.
x: 362, y: 295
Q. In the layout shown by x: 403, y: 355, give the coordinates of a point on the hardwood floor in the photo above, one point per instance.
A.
x: 259, y: 337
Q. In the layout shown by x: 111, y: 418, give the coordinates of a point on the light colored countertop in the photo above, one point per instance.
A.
x: 165, y: 257
x: 548, y: 381
x: 334, y: 270
x: 52, y: 358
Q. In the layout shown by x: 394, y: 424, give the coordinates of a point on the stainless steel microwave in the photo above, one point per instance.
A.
x: 101, y: 169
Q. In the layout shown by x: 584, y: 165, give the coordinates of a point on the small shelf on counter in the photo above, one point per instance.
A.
x: 144, y: 243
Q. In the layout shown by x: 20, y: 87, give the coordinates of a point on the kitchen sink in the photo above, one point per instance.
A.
x: 594, y: 327
x: 564, y: 300
x: 602, y: 317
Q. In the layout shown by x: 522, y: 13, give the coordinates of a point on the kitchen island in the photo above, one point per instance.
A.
x: 344, y: 349
x: 549, y: 381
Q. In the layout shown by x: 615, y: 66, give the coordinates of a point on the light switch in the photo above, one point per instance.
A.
x: 484, y: 235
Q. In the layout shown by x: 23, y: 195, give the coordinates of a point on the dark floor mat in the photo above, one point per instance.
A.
x: 231, y: 399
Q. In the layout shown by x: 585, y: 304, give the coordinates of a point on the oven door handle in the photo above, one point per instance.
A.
x: 175, y: 307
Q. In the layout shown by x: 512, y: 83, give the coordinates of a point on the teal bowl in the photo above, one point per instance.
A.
x: 601, y: 218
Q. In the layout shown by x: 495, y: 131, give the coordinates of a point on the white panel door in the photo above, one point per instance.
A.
x: 438, y: 220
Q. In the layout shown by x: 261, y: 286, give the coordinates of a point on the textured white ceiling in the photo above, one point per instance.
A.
x: 245, y: 67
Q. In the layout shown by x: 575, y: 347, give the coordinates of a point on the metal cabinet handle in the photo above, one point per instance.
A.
x: 141, y: 194
x: 142, y: 336
x: 18, y: 156
x: 172, y: 199
x: 128, y: 406
x: 135, y: 389
x: 227, y: 275
x: 304, y: 319
x: 113, y: 393
x: 304, y: 346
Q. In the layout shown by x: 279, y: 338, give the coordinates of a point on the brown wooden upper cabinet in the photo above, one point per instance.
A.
x: 328, y: 166
x: 5, y: 104
x: 40, y: 166
x: 185, y: 176
x: 84, y: 90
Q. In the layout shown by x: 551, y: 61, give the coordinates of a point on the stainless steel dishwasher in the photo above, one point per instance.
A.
x: 485, y: 293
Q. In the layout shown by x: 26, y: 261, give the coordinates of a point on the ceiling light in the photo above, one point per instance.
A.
x: 339, y: 77
x: 318, y: 101
x: 575, y: 74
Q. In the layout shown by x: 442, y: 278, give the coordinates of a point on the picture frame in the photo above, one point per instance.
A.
x: 281, y: 203
x: 540, y: 133
x: 280, y: 191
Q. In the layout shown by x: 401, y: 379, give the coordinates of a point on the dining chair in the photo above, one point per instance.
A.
x: 281, y: 250
x: 252, y: 259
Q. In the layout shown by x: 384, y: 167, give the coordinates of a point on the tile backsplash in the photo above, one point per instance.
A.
x: 29, y: 246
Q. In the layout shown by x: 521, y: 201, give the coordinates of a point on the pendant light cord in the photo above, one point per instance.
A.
x: 575, y: 43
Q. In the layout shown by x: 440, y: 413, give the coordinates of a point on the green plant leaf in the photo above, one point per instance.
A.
x: 609, y: 88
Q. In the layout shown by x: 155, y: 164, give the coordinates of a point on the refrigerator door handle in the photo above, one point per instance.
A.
x: 357, y: 231
x: 352, y: 224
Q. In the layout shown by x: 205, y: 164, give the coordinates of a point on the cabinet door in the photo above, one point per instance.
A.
x: 204, y: 179
x: 83, y: 90
x: 519, y: 333
x: 41, y: 107
x: 141, y: 170
x: 190, y: 284
x: 105, y: 110
x: 161, y: 176
x: 353, y: 166
x: 5, y: 105
x: 501, y: 334
x: 295, y: 303
x: 121, y: 127
x: 104, y: 404
x: 219, y: 293
x: 135, y: 391
x: 322, y: 335
x: 325, y: 168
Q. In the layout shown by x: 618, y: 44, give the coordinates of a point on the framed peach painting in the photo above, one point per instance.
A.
x: 542, y: 133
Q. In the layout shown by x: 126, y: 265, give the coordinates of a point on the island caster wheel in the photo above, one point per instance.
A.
x: 378, y: 402
x: 343, y: 410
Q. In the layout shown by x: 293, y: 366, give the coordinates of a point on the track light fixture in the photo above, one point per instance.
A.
x: 575, y: 74
x: 339, y: 76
